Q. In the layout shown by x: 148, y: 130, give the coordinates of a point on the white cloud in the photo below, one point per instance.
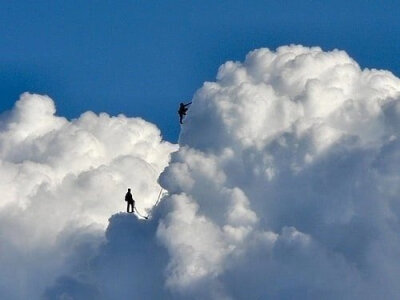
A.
x: 62, y: 180
x: 285, y: 186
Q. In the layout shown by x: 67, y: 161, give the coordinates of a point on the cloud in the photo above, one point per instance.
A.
x: 129, y: 265
x: 286, y: 183
x: 60, y: 181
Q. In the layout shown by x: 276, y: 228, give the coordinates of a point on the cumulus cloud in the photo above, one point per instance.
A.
x: 285, y: 186
x: 286, y: 183
x: 61, y: 180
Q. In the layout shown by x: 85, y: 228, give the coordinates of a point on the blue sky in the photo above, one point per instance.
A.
x: 142, y: 58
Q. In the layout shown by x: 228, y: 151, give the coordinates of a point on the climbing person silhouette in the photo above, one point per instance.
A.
x: 130, y: 201
x: 183, y: 108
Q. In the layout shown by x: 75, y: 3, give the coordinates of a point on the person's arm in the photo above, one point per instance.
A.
x: 187, y: 104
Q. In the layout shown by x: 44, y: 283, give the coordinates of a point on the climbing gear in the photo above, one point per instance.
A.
x: 158, y: 200
x: 159, y: 196
x: 140, y: 215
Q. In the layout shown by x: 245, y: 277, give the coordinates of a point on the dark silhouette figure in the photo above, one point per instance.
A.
x: 183, y: 108
x: 130, y: 201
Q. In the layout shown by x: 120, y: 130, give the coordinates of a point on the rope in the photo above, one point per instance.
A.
x: 140, y: 215
x: 158, y: 200
x: 159, y: 197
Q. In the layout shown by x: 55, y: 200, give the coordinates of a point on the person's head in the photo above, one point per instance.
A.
x: 181, y: 104
x: 129, y: 190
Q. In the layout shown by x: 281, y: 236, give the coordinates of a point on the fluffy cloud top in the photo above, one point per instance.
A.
x: 286, y: 184
x: 60, y: 182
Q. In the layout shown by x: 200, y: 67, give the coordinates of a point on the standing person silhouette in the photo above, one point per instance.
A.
x: 183, y: 108
x: 130, y: 201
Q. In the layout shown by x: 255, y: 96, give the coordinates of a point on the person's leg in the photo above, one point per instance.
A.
x: 127, y: 207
